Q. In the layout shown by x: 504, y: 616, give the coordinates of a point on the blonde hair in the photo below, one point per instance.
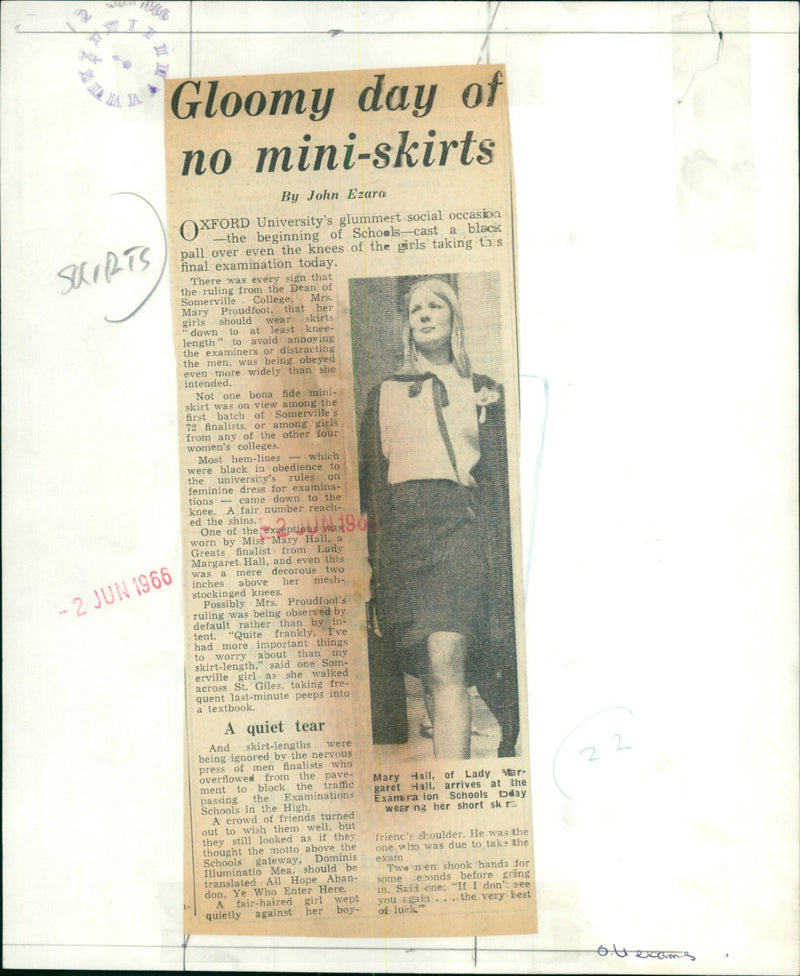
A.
x: 441, y: 289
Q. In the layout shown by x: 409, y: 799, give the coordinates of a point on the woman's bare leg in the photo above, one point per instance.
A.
x: 428, y: 695
x: 452, y: 718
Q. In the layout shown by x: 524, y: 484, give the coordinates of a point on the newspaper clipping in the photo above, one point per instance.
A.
x: 345, y: 321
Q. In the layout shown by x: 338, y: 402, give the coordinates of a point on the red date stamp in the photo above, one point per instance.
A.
x: 120, y: 590
x: 322, y: 524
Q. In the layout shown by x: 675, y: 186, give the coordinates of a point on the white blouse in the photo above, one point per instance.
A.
x: 410, y: 437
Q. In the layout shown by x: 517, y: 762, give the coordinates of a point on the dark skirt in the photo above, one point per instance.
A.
x: 434, y: 571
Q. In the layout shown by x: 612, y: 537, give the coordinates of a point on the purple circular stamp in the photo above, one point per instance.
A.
x: 122, y: 62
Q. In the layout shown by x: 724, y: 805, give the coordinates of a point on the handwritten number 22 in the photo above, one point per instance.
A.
x: 592, y: 750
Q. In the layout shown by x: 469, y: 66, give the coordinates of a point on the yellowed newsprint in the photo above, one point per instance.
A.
x: 343, y: 274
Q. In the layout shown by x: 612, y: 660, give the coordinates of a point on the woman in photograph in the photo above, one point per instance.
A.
x: 435, y: 487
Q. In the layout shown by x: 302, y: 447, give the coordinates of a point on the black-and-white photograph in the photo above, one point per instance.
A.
x: 433, y: 466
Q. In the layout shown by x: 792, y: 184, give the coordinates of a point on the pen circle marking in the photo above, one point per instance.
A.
x: 129, y: 193
x: 590, y: 742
